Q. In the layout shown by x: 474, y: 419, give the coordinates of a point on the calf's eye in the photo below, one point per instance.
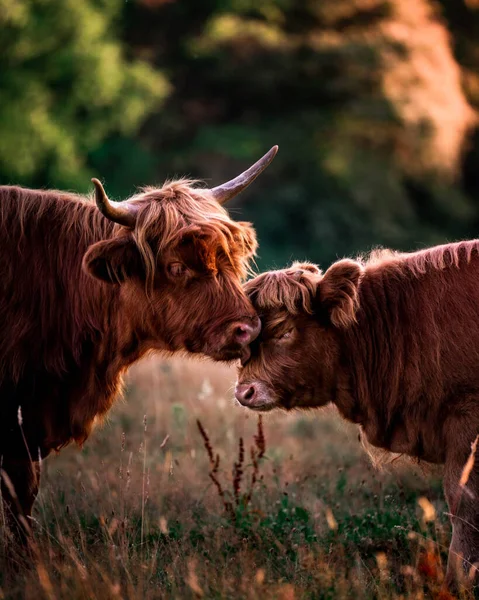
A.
x: 286, y: 335
x: 176, y: 269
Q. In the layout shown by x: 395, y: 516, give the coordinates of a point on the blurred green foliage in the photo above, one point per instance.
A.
x: 371, y: 101
x: 65, y: 87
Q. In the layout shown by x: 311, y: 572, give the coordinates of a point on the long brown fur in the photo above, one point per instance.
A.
x: 393, y: 341
x: 82, y: 298
x: 49, y: 232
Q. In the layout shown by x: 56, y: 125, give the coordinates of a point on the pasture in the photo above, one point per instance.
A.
x: 295, y: 510
x: 181, y: 493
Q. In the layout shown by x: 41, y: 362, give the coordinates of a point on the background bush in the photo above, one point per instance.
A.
x: 373, y: 104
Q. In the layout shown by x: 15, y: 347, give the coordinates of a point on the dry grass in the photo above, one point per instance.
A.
x: 291, y: 510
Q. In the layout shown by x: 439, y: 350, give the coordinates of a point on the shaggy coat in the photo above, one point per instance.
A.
x: 82, y: 298
x: 393, y: 342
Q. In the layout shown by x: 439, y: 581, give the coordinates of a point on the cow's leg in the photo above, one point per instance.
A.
x: 463, y: 500
x: 20, y: 480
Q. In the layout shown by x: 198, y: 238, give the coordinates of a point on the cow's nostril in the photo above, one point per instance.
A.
x: 249, y: 393
x: 242, y: 333
x: 245, y: 393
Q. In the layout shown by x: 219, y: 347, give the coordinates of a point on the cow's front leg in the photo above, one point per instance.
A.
x: 461, y: 486
x: 20, y: 480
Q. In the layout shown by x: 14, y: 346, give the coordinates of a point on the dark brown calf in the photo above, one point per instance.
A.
x: 393, y: 342
x: 87, y: 289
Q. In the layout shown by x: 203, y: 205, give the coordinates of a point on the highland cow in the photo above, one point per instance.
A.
x: 393, y: 342
x: 88, y: 289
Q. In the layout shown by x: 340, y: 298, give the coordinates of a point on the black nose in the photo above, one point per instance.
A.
x: 245, y: 393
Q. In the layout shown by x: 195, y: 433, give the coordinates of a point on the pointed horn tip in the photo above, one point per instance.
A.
x: 272, y: 152
x: 268, y: 157
x: 232, y: 188
x: 96, y: 182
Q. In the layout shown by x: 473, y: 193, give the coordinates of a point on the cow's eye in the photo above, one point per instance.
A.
x: 176, y: 269
x: 286, y: 335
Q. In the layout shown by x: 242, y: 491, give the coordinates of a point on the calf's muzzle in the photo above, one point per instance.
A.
x: 255, y: 395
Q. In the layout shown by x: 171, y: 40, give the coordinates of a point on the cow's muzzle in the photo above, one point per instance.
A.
x: 235, y: 339
x: 255, y: 395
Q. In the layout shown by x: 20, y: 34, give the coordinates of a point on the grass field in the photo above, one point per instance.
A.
x: 142, y: 512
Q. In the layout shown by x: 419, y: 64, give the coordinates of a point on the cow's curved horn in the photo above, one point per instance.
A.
x: 232, y: 188
x: 115, y: 211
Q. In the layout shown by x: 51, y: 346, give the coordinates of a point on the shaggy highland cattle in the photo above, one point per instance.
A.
x: 88, y: 289
x: 393, y: 342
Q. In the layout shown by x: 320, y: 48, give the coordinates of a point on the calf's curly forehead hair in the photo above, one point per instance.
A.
x: 304, y: 289
x: 291, y: 289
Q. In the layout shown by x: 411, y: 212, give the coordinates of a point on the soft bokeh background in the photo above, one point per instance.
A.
x: 374, y: 106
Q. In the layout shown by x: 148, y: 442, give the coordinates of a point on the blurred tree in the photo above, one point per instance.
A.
x: 463, y: 22
x: 65, y: 87
x: 364, y: 98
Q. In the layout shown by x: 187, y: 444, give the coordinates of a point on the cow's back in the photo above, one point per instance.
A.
x: 415, y: 350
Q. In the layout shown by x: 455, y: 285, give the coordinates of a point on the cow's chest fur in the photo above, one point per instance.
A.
x: 415, y: 428
x: 407, y: 436
x: 46, y: 412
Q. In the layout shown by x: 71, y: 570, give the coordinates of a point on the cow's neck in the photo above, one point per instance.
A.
x: 96, y: 380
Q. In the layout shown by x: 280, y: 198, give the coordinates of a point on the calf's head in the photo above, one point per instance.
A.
x: 178, y: 261
x: 294, y: 361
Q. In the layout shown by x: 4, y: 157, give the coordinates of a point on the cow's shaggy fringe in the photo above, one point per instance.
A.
x: 177, y: 206
x: 292, y: 289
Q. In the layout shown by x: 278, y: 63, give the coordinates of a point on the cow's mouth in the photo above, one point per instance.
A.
x: 217, y: 353
x: 224, y: 354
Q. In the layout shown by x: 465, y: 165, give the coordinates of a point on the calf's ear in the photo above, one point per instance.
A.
x: 338, y: 292
x: 113, y: 261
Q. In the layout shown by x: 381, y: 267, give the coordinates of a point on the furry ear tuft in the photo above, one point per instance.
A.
x: 113, y: 261
x: 339, y: 292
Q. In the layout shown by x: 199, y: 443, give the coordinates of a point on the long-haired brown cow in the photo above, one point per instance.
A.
x: 393, y: 342
x: 87, y: 289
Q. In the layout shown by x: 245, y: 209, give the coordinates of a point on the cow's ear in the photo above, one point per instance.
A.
x: 113, y: 261
x: 338, y: 292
